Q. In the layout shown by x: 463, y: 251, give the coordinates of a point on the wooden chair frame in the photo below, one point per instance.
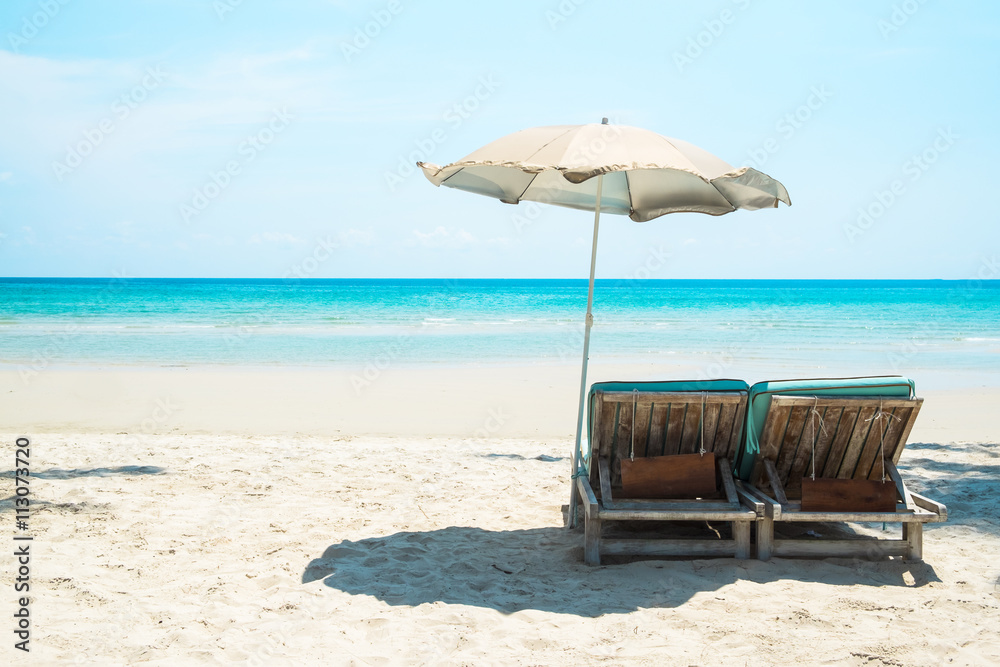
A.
x: 671, y: 427
x: 847, y: 440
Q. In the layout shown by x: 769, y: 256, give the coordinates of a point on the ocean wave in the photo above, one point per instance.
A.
x: 502, y: 321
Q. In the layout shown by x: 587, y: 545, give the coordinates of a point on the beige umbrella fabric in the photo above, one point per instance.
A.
x: 638, y: 173
x: 646, y: 175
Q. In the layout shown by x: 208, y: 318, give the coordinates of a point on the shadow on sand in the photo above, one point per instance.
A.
x: 969, y: 491
x: 542, y: 569
x: 57, y: 473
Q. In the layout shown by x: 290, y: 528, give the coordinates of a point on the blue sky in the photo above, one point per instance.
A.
x: 229, y: 138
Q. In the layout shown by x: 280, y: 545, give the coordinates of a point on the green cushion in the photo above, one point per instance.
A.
x: 760, y: 401
x: 667, y: 385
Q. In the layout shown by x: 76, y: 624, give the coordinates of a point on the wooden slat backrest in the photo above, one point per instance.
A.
x: 666, y: 423
x: 849, y: 445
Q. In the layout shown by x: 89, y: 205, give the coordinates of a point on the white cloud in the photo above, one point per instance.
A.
x: 199, y: 106
x: 125, y: 229
x: 500, y: 242
x: 443, y: 237
x: 274, y: 238
x: 125, y: 233
x: 5, y: 175
x: 29, y: 235
x: 357, y: 237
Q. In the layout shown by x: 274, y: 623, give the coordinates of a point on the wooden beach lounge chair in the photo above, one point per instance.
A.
x: 674, y: 443
x: 826, y: 451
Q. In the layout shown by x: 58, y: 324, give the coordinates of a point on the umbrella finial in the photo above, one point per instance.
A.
x: 604, y: 121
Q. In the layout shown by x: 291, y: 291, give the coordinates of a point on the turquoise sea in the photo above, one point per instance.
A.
x: 875, y: 326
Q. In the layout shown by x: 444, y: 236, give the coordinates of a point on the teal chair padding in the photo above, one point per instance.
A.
x: 760, y: 401
x: 667, y: 385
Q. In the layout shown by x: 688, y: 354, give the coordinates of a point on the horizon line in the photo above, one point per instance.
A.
x: 446, y: 279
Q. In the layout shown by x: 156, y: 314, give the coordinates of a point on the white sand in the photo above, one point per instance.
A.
x: 278, y: 517
x: 504, y: 401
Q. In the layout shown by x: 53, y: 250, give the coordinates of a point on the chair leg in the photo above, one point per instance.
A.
x: 765, y: 538
x: 913, y: 533
x: 592, y: 541
x: 741, y: 535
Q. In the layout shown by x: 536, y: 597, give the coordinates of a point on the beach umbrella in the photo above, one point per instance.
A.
x: 610, y: 169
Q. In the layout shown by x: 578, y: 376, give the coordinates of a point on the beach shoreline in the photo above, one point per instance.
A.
x: 417, y: 520
x: 405, y: 400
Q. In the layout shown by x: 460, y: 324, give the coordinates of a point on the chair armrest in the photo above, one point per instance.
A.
x: 749, y: 500
x: 590, y: 505
x: 775, y: 480
x: 772, y: 508
x: 726, y: 475
x: 926, y: 503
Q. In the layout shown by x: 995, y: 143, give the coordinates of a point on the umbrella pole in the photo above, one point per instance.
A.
x: 571, y: 515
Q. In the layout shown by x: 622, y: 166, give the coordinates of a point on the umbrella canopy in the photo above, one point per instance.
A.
x: 638, y: 173
x: 646, y: 175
